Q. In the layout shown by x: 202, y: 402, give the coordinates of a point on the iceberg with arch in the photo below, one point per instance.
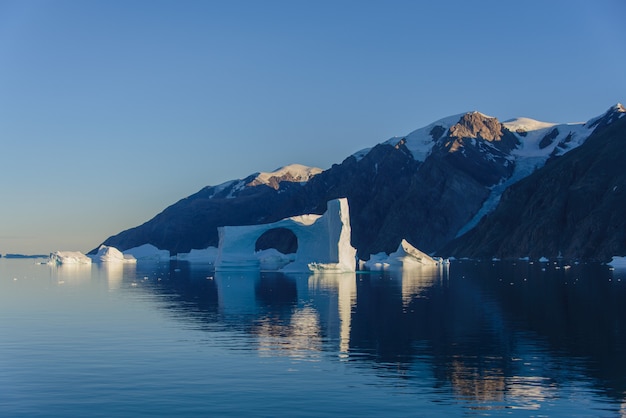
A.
x: 323, y: 243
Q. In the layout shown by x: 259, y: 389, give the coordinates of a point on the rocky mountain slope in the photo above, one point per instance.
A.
x: 428, y: 187
x: 573, y: 206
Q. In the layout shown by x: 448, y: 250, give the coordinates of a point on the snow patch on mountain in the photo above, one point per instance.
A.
x: 538, y: 142
x: 292, y: 173
x: 421, y: 141
x: 544, y: 139
x: 616, y: 111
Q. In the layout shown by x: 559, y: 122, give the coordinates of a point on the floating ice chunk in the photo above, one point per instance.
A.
x: 618, y: 262
x: 377, y: 261
x: 148, y: 252
x: 68, y: 257
x: 408, y: 254
x: 272, y: 259
x: 206, y: 255
x: 405, y: 256
x: 108, y: 254
x: 544, y: 260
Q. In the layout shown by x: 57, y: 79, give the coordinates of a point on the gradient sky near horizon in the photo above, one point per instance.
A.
x: 110, y: 111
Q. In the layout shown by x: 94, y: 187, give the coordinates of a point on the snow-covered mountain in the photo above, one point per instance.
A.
x: 427, y: 187
x: 572, y: 206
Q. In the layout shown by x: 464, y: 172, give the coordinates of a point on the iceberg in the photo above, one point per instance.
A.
x: 405, y: 256
x: 272, y: 259
x: 377, y: 261
x: 68, y: 257
x: 323, y: 243
x: 148, y: 252
x: 108, y: 254
x: 206, y: 255
x: 618, y: 262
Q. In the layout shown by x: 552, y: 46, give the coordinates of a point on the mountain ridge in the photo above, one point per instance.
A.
x: 429, y: 187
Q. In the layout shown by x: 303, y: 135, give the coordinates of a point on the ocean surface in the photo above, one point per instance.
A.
x: 176, y: 339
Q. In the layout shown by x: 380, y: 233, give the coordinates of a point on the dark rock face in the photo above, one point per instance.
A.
x: 475, y: 125
x: 573, y: 206
x: 549, y: 138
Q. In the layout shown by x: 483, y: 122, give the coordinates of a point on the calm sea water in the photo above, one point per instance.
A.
x: 176, y: 339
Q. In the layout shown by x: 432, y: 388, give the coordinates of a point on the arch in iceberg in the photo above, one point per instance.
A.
x: 323, y: 242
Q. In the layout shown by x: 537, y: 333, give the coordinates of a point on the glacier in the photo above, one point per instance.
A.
x: 323, y: 243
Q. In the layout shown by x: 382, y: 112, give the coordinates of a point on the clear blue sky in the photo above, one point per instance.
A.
x: 112, y: 110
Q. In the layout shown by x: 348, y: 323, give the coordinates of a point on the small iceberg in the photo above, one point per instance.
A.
x: 108, y: 254
x: 148, y: 252
x: 206, y: 255
x: 405, y: 256
x: 68, y: 257
x: 618, y: 262
x: 272, y: 259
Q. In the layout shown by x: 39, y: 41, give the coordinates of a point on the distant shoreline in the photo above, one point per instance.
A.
x: 23, y: 256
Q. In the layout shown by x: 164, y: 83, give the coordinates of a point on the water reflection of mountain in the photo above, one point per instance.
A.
x: 577, y: 312
x: 490, y: 332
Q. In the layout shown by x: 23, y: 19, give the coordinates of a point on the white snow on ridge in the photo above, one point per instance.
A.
x: 535, y: 131
x: 420, y: 142
x: 527, y: 124
x: 223, y: 186
x: 529, y: 156
x: 298, y: 172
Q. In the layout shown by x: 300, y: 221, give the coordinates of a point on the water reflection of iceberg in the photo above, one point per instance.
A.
x: 417, y: 279
x: 291, y: 314
x: 114, y: 273
x: 70, y: 273
x: 344, y: 285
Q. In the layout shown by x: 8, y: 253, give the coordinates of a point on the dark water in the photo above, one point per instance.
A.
x: 176, y: 339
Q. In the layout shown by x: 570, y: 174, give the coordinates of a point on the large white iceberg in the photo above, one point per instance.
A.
x: 68, y: 257
x: 405, y: 256
x: 108, y: 254
x: 148, y: 252
x: 323, y: 242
